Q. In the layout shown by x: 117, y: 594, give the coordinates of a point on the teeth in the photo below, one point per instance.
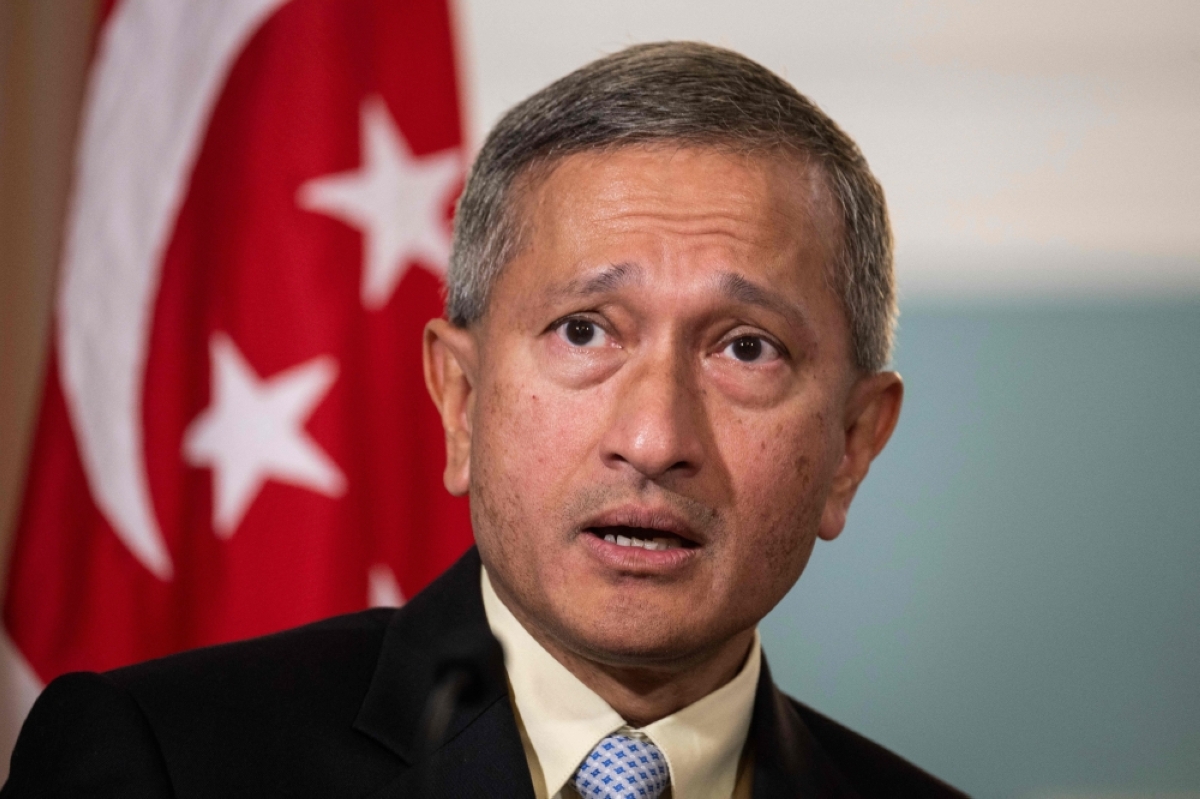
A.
x: 654, y: 545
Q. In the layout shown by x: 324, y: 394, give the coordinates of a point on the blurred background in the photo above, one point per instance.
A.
x: 1015, y: 604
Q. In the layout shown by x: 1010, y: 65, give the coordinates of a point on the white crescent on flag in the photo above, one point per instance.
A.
x: 143, y: 123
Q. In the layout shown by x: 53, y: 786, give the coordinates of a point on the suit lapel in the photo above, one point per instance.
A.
x: 788, y: 760
x: 482, y: 753
x: 484, y: 759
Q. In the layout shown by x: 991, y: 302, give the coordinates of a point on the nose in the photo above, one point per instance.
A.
x: 657, y: 422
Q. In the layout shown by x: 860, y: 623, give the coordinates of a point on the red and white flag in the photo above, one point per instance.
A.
x: 235, y: 436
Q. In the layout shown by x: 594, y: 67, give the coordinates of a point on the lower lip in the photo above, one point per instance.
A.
x: 636, y: 560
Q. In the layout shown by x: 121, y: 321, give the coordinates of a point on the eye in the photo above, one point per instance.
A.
x: 580, y: 332
x: 751, y: 349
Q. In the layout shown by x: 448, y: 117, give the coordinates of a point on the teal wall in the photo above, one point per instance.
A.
x: 1015, y: 603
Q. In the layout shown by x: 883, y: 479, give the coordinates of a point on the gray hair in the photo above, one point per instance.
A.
x: 690, y: 94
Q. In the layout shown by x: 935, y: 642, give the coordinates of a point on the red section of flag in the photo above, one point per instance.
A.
x: 262, y: 313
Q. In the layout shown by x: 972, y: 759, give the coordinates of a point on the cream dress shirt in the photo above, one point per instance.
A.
x: 560, y: 719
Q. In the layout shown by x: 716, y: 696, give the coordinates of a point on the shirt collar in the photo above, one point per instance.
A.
x: 564, y: 719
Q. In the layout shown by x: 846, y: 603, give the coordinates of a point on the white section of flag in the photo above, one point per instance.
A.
x: 143, y: 122
x: 19, y: 687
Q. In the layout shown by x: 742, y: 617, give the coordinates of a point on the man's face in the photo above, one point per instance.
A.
x: 664, y: 361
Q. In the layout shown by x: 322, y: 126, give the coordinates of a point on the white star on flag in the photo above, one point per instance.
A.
x: 383, y: 589
x: 396, y: 199
x: 253, y: 431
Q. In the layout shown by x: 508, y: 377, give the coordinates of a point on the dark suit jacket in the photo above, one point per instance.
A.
x: 334, y: 709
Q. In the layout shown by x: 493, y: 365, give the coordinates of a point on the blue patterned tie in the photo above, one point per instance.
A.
x: 623, y: 767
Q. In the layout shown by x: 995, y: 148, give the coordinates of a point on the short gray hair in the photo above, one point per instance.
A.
x: 690, y: 94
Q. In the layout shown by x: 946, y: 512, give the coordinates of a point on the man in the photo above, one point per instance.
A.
x: 661, y: 378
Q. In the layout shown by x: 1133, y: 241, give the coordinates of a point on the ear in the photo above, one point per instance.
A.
x: 871, y: 413
x: 449, y: 354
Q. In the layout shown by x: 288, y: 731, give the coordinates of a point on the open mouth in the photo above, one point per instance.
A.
x: 641, y: 537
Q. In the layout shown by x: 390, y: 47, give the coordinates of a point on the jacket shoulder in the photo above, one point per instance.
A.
x: 294, y: 659
x: 85, y: 737
x: 267, y: 716
x: 870, y: 768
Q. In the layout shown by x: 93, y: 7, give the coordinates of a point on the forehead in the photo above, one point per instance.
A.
x: 679, y: 208
x: 771, y: 194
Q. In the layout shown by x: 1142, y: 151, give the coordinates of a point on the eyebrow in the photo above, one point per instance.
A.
x: 739, y: 289
x: 608, y: 280
x: 734, y: 286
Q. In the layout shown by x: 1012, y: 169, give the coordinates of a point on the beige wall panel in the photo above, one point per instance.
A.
x: 43, y: 61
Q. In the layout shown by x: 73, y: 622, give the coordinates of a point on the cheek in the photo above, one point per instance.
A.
x: 497, y: 457
x: 527, y: 438
x: 782, y: 476
x: 532, y: 431
x: 510, y: 416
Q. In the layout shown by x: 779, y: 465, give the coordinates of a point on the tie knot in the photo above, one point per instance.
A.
x: 623, y: 767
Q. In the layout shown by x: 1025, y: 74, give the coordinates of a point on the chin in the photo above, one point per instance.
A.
x: 640, y: 642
